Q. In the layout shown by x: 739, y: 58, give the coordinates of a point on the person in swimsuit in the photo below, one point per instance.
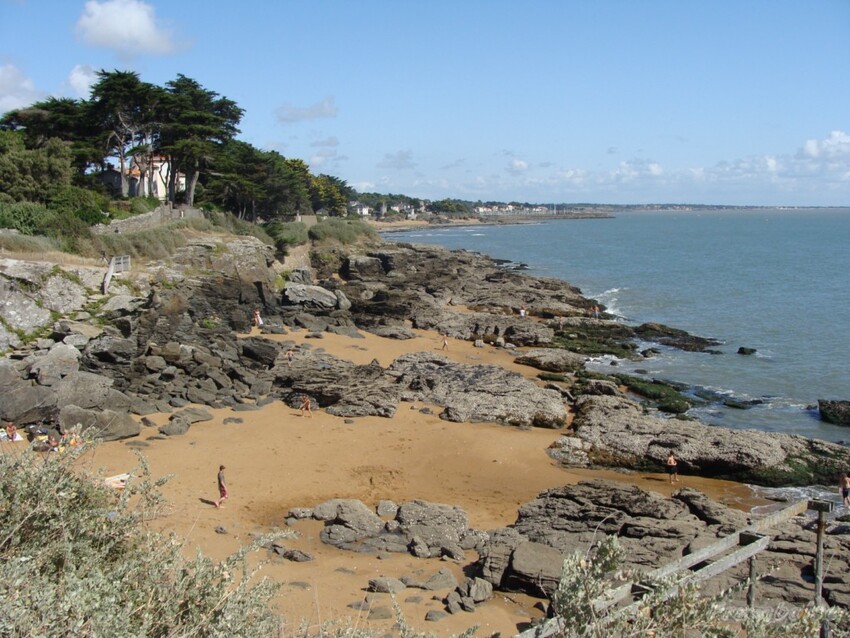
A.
x: 672, y: 467
x: 844, y: 489
x: 222, y: 487
x: 305, y: 406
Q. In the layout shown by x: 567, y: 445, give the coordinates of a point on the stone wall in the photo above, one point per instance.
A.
x: 163, y: 214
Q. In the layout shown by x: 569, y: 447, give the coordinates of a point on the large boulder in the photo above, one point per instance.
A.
x: 311, y: 297
x: 106, y: 425
x: 552, y: 359
x: 837, y: 412
x: 57, y: 363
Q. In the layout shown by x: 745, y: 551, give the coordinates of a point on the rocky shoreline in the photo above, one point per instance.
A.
x: 166, y: 340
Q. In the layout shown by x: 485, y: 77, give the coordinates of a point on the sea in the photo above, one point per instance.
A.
x: 775, y: 280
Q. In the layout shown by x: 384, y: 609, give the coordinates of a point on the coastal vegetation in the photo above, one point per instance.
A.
x: 67, y: 540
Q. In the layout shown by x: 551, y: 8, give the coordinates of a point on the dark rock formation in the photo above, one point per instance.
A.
x: 837, y: 412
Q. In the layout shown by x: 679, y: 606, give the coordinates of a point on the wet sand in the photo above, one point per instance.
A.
x: 276, y: 460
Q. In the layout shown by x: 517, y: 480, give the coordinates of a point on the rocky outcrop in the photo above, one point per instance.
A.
x: 418, y: 527
x: 477, y: 393
x: 616, y: 431
x: 552, y: 360
x: 652, y: 531
x: 837, y: 412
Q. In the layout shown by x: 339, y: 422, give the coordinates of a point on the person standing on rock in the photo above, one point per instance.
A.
x: 222, y: 487
x: 844, y: 489
x: 673, y: 467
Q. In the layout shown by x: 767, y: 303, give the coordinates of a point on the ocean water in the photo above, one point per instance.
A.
x: 774, y: 280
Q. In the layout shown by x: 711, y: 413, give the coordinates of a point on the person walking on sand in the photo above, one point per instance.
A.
x: 222, y: 487
x: 844, y: 489
x: 305, y: 406
x: 445, y: 342
x: 673, y: 467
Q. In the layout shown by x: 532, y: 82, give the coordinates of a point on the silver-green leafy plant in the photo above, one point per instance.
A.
x: 78, y: 560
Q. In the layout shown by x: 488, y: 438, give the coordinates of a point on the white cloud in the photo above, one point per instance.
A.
x: 517, y: 166
x: 128, y: 27
x: 401, y: 160
x: 287, y: 113
x: 81, y: 78
x: 837, y: 145
x: 16, y: 90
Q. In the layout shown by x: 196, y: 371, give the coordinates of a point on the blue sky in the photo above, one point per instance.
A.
x: 719, y: 102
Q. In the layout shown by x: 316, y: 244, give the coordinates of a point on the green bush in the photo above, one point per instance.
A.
x: 84, y: 203
x: 76, y: 560
x: 25, y: 217
x: 141, y: 205
x: 345, y: 231
x: 70, y: 232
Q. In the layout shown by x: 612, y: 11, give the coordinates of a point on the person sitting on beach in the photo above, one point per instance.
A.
x: 54, y: 440
x: 522, y: 311
x: 844, y: 489
x: 12, y: 432
x: 258, y: 320
x: 305, y: 406
x: 673, y: 467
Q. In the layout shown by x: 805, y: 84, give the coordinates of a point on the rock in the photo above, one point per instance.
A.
x: 535, y: 569
x: 552, y: 360
x: 435, y: 615
x: 477, y: 393
x: 746, y: 351
x: 58, y: 362
x: 443, y: 579
x: 386, y: 585
x: 106, y: 425
x: 623, y: 434
x: 310, y: 297
x: 346, y: 521
x: 84, y: 390
x: 386, y: 508
x: 837, y: 412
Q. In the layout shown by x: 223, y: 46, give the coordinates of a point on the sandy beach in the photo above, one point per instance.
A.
x: 276, y: 460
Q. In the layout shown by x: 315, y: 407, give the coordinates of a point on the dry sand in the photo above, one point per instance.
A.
x: 277, y: 460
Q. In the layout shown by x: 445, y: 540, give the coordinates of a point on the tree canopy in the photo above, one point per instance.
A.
x: 184, y: 130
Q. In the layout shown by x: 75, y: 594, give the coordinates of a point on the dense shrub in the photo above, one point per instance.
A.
x: 76, y: 560
x: 84, y: 203
x: 70, y: 232
x: 25, y: 217
x: 345, y: 231
x: 141, y: 205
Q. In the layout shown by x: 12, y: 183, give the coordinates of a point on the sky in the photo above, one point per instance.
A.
x: 611, y: 101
